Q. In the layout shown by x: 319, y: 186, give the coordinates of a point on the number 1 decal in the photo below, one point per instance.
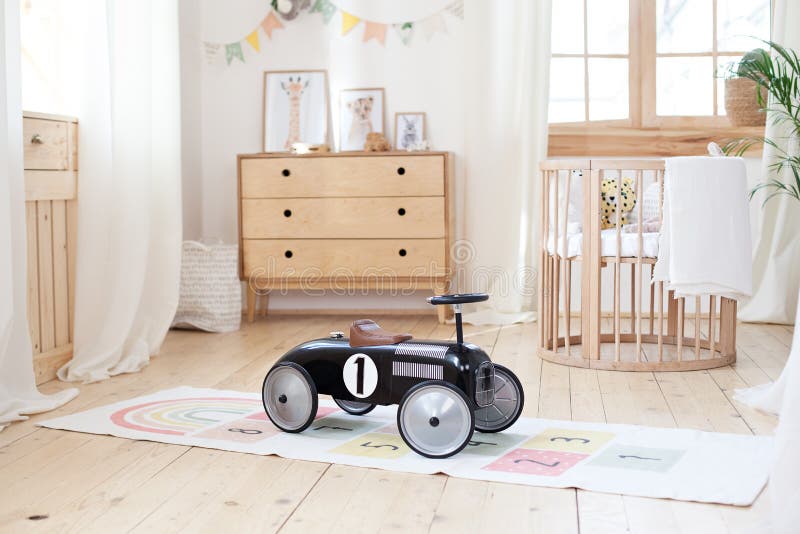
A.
x: 360, y: 375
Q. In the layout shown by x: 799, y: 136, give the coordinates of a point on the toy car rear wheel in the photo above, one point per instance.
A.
x: 354, y: 407
x: 290, y: 397
x: 435, y: 419
x: 508, y: 401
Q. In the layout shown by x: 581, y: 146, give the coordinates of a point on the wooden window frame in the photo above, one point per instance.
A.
x: 644, y: 133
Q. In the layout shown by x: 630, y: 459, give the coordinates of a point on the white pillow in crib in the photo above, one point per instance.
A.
x: 575, y: 206
x: 650, y: 201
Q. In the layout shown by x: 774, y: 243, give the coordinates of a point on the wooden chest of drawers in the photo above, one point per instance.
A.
x: 344, y: 222
x: 51, y: 163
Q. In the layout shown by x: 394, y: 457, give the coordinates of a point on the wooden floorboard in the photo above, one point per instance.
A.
x: 87, y: 483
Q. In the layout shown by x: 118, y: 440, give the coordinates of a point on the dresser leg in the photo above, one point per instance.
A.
x: 264, y: 301
x: 251, y: 305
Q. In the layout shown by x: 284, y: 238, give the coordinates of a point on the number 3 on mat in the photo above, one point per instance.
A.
x: 360, y: 375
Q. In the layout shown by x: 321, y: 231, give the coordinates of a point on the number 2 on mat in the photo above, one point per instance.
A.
x: 537, y: 462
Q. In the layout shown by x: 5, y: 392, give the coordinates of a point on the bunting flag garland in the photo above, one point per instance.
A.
x: 271, y: 23
x: 233, y: 50
x: 327, y: 9
x: 456, y: 9
x: 212, y: 51
x: 253, y: 40
x: 375, y: 30
x: 348, y: 22
x: 404, y: 31
x: 433, y: 24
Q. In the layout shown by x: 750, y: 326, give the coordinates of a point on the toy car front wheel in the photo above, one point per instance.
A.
x: 508, y: 402
x: 435, y: 419
x: 290, y: 397
x: 354, y: 407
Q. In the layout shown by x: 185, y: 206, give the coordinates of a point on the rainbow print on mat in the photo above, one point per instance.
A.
x: 179, y: 417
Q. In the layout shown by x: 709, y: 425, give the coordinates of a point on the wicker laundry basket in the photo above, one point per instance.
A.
x: 741, y: 103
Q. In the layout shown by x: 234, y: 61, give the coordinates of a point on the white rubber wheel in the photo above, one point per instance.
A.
x: 508, y: 402
x: 290, y: 397
x: 435, y: 419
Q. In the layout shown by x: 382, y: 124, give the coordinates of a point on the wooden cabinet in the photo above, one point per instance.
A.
x: 348, y: 221
x: 51, y: 165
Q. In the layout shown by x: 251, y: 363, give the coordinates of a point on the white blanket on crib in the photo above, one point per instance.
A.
x: 705, y: 240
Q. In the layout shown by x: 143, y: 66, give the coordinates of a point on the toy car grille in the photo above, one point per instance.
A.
x: 421, y: 349
x: 418, y: 370
x: 484, y: 384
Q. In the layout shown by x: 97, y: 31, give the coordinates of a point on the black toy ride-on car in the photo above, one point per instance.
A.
x: 445, y: 390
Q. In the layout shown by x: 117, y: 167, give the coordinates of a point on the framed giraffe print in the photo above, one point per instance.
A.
x: 295, y: 109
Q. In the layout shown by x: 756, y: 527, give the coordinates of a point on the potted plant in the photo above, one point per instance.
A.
x: 778, y: 78
x: 743, y: 96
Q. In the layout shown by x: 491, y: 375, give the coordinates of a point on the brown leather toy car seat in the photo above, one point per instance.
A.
x: 367, y: 333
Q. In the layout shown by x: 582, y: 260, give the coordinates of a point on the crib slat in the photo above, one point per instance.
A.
x: 661, y: 321
x: 680, y: 328
x: 618, y: 269
x: 567, y: 300
x: 638, y: 329
x: 712, y: 323
x: 652, y: 299
x: 556, y: 266
x: 697, y: 328
x: 544, y: 315
x: 566, y: 262
x: 542, y: 249
x: 633, y: 298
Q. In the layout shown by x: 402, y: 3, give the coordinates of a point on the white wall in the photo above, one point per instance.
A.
x: 223, y: 104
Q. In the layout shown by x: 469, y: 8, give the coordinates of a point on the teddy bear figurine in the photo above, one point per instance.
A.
x: 376, y: 142
x: 614, y: 207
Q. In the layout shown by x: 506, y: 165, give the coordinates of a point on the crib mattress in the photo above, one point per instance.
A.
x: 608, y: 244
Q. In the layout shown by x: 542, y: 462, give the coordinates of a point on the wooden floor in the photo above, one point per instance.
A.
x: 59, y: 481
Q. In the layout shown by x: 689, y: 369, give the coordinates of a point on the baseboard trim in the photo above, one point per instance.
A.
x: 348, y: 311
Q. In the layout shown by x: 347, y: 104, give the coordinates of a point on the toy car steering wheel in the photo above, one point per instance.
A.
x: 464, y: 298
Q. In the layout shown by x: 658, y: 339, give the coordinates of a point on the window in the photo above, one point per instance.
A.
x: 645, y: 74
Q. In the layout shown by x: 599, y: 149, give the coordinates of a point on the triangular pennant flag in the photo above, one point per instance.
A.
x: 456, y: 9
x: 327, y: 9
x: 253, y: 40
x: 375, y: 30
x: 271, y: 23
x: 348, y: 22
x: 233, y: 50
x: 211, y: 51
x: 405, y: 31
x: 433, y: 24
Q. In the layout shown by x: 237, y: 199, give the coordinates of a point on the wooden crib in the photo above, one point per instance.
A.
x: 597, y: 306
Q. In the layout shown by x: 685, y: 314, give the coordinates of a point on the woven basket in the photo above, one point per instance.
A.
x: 741, y: 103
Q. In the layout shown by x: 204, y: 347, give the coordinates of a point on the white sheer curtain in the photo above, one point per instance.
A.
x: 18, y: 393
x: 777, y: 296
x: 129, y: 229
x: 776, y: 257
x: 507, y: 66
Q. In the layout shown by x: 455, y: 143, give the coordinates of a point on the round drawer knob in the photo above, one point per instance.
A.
x: 36, y: 139
x: 401, y: 212
x: 286, y: 172
x: 288, y: 254
x: 401, y: 170
x: 287, y: 213
x: 402, y: 252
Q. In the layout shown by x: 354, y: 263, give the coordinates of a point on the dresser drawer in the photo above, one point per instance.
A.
x: 46, y: 144
x: 386, y: 217
x: 342, y: 176
x: 343, y: 258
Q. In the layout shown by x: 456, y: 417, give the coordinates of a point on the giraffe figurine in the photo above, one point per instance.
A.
x: 294, y: 89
